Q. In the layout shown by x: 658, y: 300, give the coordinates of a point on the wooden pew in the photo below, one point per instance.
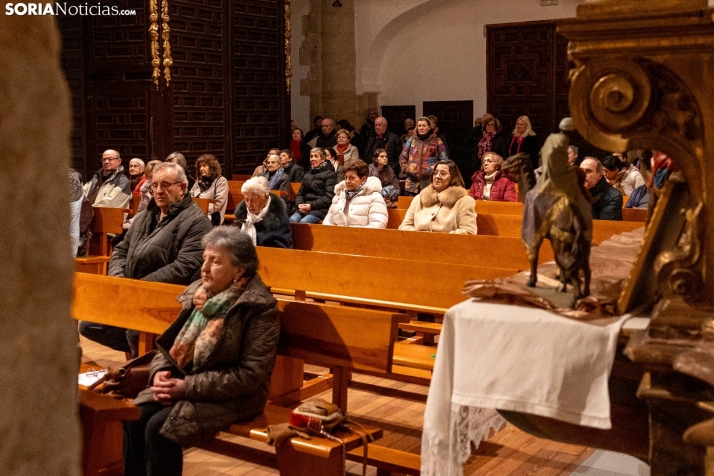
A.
x: 106, y: 221
x: 241, y: 177
x: 375, y: 281
x: 340, y: 337
x: 445, y: 248
x: 235, y: 196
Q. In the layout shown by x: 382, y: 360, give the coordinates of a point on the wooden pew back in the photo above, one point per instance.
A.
x: 377, y: 281
x: 235, y: 196
x: 446, y: 248
x: 105, y: 221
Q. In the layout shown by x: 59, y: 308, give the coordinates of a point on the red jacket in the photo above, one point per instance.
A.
x: 502, y: 190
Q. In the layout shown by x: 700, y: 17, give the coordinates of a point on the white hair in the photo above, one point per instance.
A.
x: 257, y: 185
x: 141, y: 162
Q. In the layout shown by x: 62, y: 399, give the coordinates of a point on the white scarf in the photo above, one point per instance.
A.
x: 251, y: 220
x: 487, y: 187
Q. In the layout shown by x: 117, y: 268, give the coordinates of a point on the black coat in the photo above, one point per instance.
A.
x: 393, y: 147
x: 507, y: 147
x: 295, y: 172
x: 327, y: 141
x: 274, y: 230
x: 317, y: 189
x: 607, y: 201
x: 169, y: 251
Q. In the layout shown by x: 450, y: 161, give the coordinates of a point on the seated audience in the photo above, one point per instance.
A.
x: 619, y: 175
x: 345, y: 151
x: 358, y: 200
x: 331, y: 156
x: 178, y: 158
x: 136, y: 175
x: 490, y: 183
x: 163, y: 245
x: 300, y: 150
x: 606, y: 200
x: 109, y: 187
x: 263, y: 216
x: 275, y: 175
x: 390, y: 183
x: 216, y: 366
x: 444, y: 205
x: 211, y: 184
x: 419, y: 155
x: 317, y: 190
x: 295, y: 172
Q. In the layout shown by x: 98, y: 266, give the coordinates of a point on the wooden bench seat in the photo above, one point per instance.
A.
x: 414, y: 356
x: 386, y: 282
x: 388, y: 460
x: 338, y: 337
x: 106, y: 221
x: 444, y: 248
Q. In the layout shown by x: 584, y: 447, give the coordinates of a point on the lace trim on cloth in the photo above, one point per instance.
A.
x: 468, y: 425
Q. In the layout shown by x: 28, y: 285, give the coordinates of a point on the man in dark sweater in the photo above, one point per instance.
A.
x: 606, y: 199
x: 384, y: 139
x: 328, y: 138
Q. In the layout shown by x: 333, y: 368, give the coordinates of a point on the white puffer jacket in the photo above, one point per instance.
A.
x: 367, y: 209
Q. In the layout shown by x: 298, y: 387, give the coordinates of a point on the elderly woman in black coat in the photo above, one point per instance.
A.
x: 215, y: 361
x: 317, y: 189
x: 263, y: 216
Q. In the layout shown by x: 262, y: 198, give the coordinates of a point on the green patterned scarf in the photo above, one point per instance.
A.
x: 204, y: 328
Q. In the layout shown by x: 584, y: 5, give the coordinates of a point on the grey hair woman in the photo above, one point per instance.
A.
x: 215, y: 361
x: 263, y: 215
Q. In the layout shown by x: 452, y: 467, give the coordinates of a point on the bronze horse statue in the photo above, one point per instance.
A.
x: 555, y: 207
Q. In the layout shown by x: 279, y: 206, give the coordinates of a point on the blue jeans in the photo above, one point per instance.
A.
x: 298, y: 217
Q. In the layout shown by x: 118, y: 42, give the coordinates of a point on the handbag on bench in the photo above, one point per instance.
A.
x: 127, y: 380
x: 320, y: 418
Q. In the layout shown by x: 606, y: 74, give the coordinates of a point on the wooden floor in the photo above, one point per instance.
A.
x: 398, y: 408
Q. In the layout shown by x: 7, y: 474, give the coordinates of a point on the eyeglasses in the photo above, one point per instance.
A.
x: 442, y: 174
x: 108, y: 159
x: 163, y: 185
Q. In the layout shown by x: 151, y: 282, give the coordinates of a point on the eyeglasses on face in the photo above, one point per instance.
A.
x: 163, y: 185
x: 442, y: 174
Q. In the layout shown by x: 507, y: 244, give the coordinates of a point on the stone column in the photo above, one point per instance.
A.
x: 329, y: 49
x: 39, y: 425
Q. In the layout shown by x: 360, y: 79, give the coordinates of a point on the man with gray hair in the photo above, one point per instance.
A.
x: 573, y: 156
x: 383, y: 138
x: 163, y: 244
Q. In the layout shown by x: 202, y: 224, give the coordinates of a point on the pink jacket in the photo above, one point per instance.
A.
x: 502, y: 190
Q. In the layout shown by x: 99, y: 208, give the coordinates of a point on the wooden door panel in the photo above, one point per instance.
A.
x: 396, y: 115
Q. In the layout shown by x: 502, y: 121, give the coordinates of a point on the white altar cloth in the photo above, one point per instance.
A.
x: 516, y: 358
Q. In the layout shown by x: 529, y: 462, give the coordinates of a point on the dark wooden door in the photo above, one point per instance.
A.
x: 396, y: 115
x: 224, y: 91
x: 527, y: 74
x: 455, y: 120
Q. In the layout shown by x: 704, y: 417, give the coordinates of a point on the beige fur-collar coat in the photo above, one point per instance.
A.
x: 450, y: 211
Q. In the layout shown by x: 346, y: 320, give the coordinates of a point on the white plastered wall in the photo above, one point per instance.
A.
x: 410, y: 51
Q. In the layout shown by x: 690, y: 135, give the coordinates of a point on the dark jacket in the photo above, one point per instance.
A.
x: 327, y: 141
x: 274, y: 230
x: 295, y: 172
x: 502, y: 190
x: 508, y: 146
x: 392, y: 143
x: 317, y: 189
x: 234, y: 381
x: 168, y: 251
x: 606, y: 201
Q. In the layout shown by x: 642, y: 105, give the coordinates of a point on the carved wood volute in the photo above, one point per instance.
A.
x: 643, y: 80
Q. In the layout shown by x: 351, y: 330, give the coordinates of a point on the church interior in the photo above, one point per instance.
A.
x: 234, y: 78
